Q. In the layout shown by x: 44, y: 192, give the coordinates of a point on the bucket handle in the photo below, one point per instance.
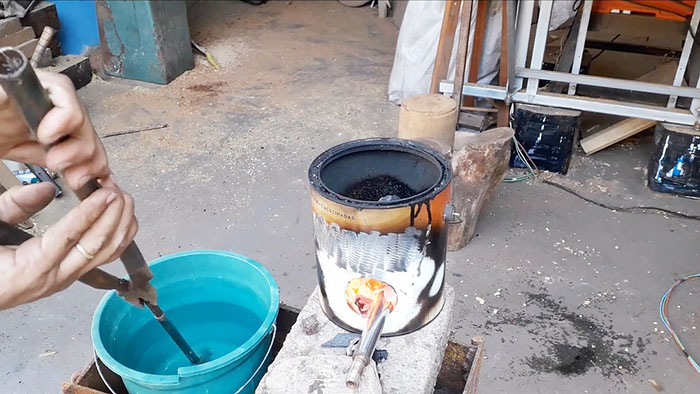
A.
x: 269, y: 349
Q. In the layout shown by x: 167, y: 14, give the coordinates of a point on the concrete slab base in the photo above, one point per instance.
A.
x: 411, y: 367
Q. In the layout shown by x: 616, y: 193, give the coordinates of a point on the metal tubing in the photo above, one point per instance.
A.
x: 685, y: 55
x: 375, y: 325
x: 611, y: 83
x: 522, y: 37
x: 540, y: 43
x: 580, y: 42
x: 604, y: 106
x: 510, y: 30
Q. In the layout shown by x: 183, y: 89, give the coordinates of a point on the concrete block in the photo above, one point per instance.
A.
x: 9, y: 26
x: 413, y: 359
x: 316, y: 375
x: 18, y: 37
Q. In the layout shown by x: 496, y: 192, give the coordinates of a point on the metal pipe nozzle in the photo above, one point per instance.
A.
x: 375, y: 325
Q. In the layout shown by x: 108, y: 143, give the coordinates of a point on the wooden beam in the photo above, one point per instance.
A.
x: 465, y: 23
x: 614, y: 134
x: 503, y: 110
x: 482, y: 9
x: 447, y: 38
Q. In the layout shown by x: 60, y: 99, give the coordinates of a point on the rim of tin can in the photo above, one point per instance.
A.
x: 380, y: 144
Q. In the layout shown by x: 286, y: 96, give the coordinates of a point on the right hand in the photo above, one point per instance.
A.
x: 103, y: 224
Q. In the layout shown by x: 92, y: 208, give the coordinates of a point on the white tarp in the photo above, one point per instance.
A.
x: 418, y: 39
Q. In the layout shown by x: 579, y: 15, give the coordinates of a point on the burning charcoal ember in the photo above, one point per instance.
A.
x: 311, y: 325
x: 376, y: 188
x: 362, y: 293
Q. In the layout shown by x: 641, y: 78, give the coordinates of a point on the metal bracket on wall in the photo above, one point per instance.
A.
x: 532, y: 95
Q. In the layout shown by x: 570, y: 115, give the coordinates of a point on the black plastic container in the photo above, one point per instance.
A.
x: 674, y: 166
x: 547, y: 134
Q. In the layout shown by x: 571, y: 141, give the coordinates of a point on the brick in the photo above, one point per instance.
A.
x: 412, y: 365
x: 9, y: 26
x: 17, y: 38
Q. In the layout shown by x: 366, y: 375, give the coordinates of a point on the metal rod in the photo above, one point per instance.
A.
x: 610, y: 83
x: 22, y: 86
x: 603, y: 106
x: 685, y: 55
x: 510, y: 31
x: 375, y: 325
x: 540, y: 43
x: 174, y: 333
x: 522, y: 37
x: 581, y: 42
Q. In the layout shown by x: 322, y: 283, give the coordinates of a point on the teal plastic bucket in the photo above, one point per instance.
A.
x: 225, y: 305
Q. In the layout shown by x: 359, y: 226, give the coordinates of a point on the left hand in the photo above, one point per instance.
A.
x: 79, y: 156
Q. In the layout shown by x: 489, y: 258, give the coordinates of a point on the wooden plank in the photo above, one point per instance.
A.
x: 447, y: 38
x: 9, y: 26
x: 475, y: 370
x: 16, y: 38
x: 663, y: 73
x: 614, y: 134
x: 482, y: 9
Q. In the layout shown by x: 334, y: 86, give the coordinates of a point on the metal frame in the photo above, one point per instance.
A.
x: 514, y: 91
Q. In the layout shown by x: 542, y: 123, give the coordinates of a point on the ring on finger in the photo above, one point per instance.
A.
x: 84, y: 252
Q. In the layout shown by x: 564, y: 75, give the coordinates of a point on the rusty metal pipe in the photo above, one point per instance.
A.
x: 381, y: 308
x: 20, y: 83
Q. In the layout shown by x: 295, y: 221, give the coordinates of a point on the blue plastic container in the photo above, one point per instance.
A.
x: 225, y: 305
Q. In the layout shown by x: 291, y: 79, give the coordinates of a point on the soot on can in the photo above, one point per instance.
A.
x: 378, y: 207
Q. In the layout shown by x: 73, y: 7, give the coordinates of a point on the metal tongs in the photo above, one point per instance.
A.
x: 20, y: 83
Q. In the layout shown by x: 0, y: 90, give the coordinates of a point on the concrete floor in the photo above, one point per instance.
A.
x: 561, y: 278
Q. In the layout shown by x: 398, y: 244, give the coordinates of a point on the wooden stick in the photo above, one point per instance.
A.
x: 465, y: 22
x: 447, y: 38
x: 503, y: 110
x: 482, y: 9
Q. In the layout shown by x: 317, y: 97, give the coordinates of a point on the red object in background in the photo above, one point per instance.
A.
x: 662, y: 9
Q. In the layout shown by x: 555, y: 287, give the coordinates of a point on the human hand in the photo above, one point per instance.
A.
x: 103, y: 224
x: 74, y: 148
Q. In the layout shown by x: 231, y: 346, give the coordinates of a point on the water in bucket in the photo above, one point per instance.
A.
x: 223, y: 303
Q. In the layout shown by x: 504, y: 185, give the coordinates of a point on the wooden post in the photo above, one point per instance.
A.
x: 479, y: 162
x: 465, y: 23
x: 447, y: 38
x: 482, y: 10
x: 503, y: 109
